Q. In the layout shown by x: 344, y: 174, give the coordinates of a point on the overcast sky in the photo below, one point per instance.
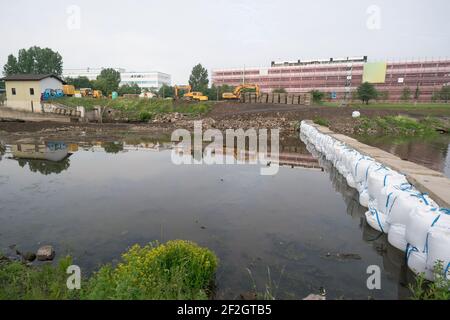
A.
x: 172, y: 36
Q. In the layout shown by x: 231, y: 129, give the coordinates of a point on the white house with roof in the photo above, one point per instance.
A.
x: 23, y: 91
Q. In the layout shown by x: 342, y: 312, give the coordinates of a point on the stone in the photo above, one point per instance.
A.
x: 312, y: 297
x: 45, y: 253
x: 29, y: 256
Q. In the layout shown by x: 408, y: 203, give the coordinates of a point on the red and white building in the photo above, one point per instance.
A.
x: 332, y: 76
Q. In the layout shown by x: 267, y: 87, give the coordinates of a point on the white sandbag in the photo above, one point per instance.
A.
x: 382, y: 177
x: 350, y: 159
x: 364, y: 198
x: 361, y: 170
x: 351, y: 180
x: 376, y: 181
x: 417, y: 263
x: 397, y: 236
x: 439, y: 249
x: 386, y: 196
x: 419, y: 222
x: 403, y: 203
x: 377, y: 220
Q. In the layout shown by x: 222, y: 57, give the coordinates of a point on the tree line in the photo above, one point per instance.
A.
x: 37, y: 60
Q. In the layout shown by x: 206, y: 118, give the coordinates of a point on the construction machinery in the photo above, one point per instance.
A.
x: 97, y: 94
x: 88, y: 92
x: 236, y: 94
x: 69, y: 90
x: 189, y: 94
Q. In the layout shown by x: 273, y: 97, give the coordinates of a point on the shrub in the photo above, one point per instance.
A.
x: 317, y: 96
x: 18, y: 281
x: 438, y: 290
x: 145, y: 116
x: 175, y: 270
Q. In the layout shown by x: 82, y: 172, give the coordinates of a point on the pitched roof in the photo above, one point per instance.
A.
x: 31, y: 77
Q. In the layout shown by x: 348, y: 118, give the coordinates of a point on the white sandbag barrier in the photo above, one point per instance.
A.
x: 413, y: 222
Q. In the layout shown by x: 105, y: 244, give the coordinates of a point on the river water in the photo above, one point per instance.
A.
x: 300, y: 231
x: 432, y: 152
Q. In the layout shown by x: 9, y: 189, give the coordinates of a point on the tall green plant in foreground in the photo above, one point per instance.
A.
x: 18, y: 281
x: 175, y: 270
x: 437, y: 290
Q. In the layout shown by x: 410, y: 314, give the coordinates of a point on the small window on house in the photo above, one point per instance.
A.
x: 13, y: 90
x: 31, y: 91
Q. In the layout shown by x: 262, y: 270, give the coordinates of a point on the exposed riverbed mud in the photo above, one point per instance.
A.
x: 222, y: 116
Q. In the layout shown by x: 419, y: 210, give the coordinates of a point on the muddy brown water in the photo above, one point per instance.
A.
x: 301, y: 231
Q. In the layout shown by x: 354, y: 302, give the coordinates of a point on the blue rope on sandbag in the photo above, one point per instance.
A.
x: 409, y: 249
x: 425, y: 250
x: 375, y: 213
x: 388, y: 198
x: 421, y: 196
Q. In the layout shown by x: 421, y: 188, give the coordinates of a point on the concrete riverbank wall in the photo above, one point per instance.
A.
x: 406, y: 201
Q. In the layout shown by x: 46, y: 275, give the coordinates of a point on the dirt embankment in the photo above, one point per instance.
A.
x: 222, y: 116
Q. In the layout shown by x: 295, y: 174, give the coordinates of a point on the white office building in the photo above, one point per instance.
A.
x: 144, y: 79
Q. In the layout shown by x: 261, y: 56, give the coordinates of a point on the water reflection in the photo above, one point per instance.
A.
x: 394, y: 263
x: 44, y: 158
x: 432, y: 152
x: 292, y: 225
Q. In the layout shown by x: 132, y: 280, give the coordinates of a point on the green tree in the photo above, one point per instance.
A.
x: 406, y: 94
x: 383, y: 95
x: 367, y: 92
x: 34, y: 60
x: 199, y: 78
x: 108, y: 81
x: 317, y: 96
x: 279, y: 90
x: 417, y: 93
x: 130, y: 89
x: 444, y: 94
x: 166, y: 91
x: 80, y: 82
x: 214, y: 93
x: 11, y: 67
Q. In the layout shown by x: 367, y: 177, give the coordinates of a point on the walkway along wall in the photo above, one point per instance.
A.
x: 406, y: 201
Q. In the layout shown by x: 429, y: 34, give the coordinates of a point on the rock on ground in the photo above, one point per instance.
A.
x: 45, y: 253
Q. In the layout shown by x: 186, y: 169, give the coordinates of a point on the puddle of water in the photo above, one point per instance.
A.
x: 286, y: 229
x: 433, y: 153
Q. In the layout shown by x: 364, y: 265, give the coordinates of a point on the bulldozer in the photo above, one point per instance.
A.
x: 189, y: 94
x: 236, y: 94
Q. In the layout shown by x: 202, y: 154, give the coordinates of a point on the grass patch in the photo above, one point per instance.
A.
x: 173, y: 271
x: 321, y: 122
x: 18, y: 281
x: 402, y: 125
x: 138, y: 108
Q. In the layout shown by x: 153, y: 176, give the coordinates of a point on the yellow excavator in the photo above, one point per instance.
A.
x: 236, y: 94
x: 189, y: 94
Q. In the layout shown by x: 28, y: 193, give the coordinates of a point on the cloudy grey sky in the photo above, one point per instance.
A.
x: 172, y: 36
